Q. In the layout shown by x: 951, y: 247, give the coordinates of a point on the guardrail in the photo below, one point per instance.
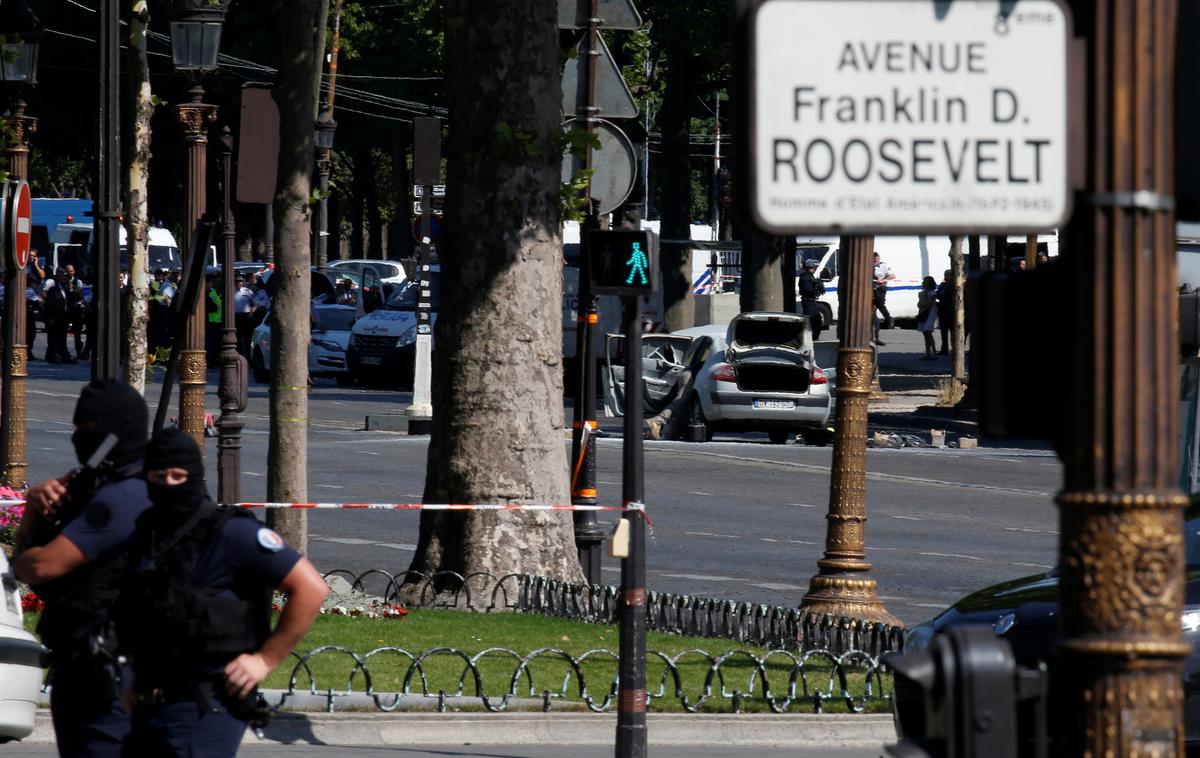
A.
x: 749, y: 623
x: 814, y: 678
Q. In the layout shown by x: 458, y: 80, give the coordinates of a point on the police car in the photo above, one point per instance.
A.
x: 383, y: 342
x: 21, y: 661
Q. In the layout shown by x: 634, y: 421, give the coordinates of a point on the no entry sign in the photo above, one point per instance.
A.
x: 902, y: 115
x: 21, y: 229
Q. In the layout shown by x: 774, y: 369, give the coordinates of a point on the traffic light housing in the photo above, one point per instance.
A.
x: 966, y: 697
x: 622, y: 262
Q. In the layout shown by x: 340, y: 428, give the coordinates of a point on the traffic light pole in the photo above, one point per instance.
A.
x: 631, y: 708
x: 843, y: 588
x: 1122, y: 563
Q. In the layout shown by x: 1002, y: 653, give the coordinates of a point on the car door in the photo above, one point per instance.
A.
x: 662, y: 363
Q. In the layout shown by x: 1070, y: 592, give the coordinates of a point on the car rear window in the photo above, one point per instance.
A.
x: 750, y: 332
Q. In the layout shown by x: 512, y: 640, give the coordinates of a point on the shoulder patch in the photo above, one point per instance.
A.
x: 269, y: 540
x: 98, y: 515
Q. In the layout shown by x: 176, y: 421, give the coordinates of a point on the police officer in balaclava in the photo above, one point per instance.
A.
x: 72, y: 548
x: 194, y: 613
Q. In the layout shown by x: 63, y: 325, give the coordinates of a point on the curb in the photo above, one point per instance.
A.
x: 422, y: 729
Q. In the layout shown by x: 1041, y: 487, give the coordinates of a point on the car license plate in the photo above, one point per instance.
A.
x: 372, y: 360
x: 783, y: 405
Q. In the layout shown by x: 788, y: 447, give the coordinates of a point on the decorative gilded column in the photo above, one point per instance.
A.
x: 195, y: 117
x: 18, y: 127
x: 1121, y: 687
x: 842, y: 587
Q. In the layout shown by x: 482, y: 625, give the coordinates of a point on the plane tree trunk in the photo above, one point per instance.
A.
x: 137, y: 219
x: 498, y: 433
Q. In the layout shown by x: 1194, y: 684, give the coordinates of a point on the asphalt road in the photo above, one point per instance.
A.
x: 735, y: 518
x: 506, y: 751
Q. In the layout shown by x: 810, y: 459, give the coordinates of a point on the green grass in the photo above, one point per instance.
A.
x: 473, y: 633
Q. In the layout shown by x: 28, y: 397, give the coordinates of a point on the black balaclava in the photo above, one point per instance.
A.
x: 173, y: 448
x: 110, y: 407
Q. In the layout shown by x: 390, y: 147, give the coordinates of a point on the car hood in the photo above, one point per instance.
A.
x: 768, y: 337
x: 385, y: 323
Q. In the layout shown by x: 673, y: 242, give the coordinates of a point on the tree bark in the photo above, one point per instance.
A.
x: 287, y: 452
x: 498, y: 429
x: 374, y: 218
x: 358, y: 195
x: 674, y: 168
x: 762, y: 267
x: 958, y: 282
x: 137, y: 209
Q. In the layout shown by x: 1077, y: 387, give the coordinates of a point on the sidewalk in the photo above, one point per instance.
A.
x: 866, y: 731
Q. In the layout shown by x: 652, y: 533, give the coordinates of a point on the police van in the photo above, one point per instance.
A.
x: 383, y: 341
x: 72, y: 243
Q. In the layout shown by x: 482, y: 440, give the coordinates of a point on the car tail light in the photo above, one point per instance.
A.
x: 818, y: 376
x: 723, y: 372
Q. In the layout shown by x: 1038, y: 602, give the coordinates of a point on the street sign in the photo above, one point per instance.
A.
x: 615, y: 165
x: 257, y: 146
x: 20, y: 224
x: 622, y: 262
x: 613, y: 98
x: 435, y: 229
x: 889, y: 116
x: 439, y: 190
x: 427, y: 149
x: 613, y: 14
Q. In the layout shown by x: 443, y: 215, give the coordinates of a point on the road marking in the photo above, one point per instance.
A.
x: 610, y: 569
x: 824, y: 470
x: 904, y: 518
x: 704, y: 494
x: 614, y: 484
x: 332, y: 486
x: 952, y: 555
x: 803, y: 542
x: 927, y: 605
x: 366, y: 452
x: 700, y: 577
x: 1033, y: 565
x: 803, y: 505
x: 768, y: 539
x: 1032, y: 531
x: 772, y: 586
x: 251, y: 473
x: 355, y: 541
x: 710, y: 534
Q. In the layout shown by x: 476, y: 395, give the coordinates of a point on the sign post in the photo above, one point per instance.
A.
x: 624, y: 263
x: 427, y: 157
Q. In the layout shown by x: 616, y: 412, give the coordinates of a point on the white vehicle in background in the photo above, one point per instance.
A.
x: 911, y: 260
x: 389, y: 272
x: 21, y: 662
x: 72, y: 243
x: 326, y: 349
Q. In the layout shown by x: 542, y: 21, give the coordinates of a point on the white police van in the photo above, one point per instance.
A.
x: 383, y: 342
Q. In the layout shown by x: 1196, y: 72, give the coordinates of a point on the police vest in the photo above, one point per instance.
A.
x: 171, y: 626
x: 80, y: 603
x: 214, y: 316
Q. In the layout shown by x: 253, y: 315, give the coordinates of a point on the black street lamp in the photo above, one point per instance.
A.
x: 323, y: 144
x: 21, y: 34
x: 196, y: 33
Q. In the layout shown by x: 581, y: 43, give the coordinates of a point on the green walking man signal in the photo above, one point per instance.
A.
x: 622, y: 262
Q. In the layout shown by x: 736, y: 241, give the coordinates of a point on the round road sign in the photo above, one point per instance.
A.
x: 435, y: 228
x: 614, y: 164
x: 20, y: 218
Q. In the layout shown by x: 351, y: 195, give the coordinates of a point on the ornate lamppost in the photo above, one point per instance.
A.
x: 22, y: 34
x: 195, y: 43
x: 323, y: 142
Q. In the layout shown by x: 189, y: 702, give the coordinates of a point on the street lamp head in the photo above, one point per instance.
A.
x: 324, y: 128
x: 196, y: 33
x: 20, y: 35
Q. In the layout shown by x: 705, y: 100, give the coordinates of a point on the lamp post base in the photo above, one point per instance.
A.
x: 847, y: 595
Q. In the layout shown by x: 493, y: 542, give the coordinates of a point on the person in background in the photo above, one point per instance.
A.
x: 212, y: 323
x: 811, y: 288
x: 927, y: 314
x: 945, y: 310
x: 57, y: 319
x: 243, y: 314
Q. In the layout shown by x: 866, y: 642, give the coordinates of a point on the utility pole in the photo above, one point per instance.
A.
x: 106, y: 343
x: 232, y: 389
x: 1121, y: 683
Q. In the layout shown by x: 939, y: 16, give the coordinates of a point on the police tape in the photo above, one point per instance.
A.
x: 424, y: 506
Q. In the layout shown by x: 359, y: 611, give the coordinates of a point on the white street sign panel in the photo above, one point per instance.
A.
x: 902, y: 115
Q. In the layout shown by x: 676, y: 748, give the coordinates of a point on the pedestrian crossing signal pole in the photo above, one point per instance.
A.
x: 624, y: 263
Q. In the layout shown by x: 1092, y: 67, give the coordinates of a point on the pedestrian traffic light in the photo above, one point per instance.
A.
x: 966, y: 697
x: 622, y: 262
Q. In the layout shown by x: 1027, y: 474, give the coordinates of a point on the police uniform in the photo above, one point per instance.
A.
x: 98, y: 517
x: 198, y: 595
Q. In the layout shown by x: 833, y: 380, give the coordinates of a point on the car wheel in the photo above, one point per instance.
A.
x: 817, y: 437
x: 258, y: 367
x: 826, y: 315
x: 345, y: 380
x: 778, y: 437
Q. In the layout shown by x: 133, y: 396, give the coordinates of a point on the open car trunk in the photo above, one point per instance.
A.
x: 771, y: 352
